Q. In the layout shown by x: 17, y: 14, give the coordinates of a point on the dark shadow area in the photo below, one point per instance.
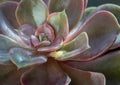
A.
x: 99, y: 2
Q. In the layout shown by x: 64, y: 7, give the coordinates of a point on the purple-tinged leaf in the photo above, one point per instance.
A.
x: 31, y: 12
x: 74, y: 9
x: 34, y: 40
x: 108, y: 64
x: 85, y: 16
x: 59, y: 22
x: 13, y: 78
x: 101, y: 35
x: 73, y: 48
x: 8, y: 9
x: 56, y: 44
x: 6, y: 27
x: 114, y: 9
x: 46, y: 31
x: 36, y: 76
x: 56, y: 75
x: 23, y: 58
x: 46, y: 1
x: 46, y: 74
x: 25, y: 32
x: 116, y: 43
x: 80, y: 77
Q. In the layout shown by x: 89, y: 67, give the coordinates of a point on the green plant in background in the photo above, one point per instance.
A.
x: 59, y: 42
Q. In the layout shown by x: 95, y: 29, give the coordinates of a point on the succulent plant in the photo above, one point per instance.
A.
x: 59, y: 42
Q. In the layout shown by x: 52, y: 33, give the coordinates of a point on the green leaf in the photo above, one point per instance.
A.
x: 59, y: 22
x: 5, y: 45
x: 75, y: 47
x: 23, y: 58
x: 31, y: 12
x: 74, y: 9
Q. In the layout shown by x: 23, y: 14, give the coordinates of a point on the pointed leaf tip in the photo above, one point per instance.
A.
x: 32, y: 12
x: 74, y: 9
x: 59, y: 22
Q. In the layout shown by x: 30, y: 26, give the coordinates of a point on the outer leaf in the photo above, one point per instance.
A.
x: 115, y: 9
x: 31, y: 12
x: 5, y: 45
x: 75, y: 47
x: 108, y: 64
x: 83, y: 19
x: 84, y: 77
x: 74, y: 9
x: 56, y: 75
x: 60, y: 23
x: 46, y: 74
x: 37, y: 75
x: 8, y: 8
x: 5, y: 25
x: 23, y: 58
x: 13, y: 78
x: 6, y: 69
x: 116, y: 43
x: 101, y: 35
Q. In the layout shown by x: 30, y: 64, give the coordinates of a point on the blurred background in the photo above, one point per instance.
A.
x: 99, y: 2
x: 90, y: 2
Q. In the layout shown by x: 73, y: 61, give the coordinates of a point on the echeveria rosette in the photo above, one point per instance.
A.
x: 39, y: 42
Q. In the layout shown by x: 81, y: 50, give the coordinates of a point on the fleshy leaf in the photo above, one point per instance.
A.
x: 46, y: 74
x: 5, y: 69
x: 8, y: 9
x: 5, y: 45
x: 74, y: 9
x: 85, y: 16
x: 60, y: 23
x: 75, y: 47
x: 45, y: 30
x: 80, y: 77
x: 108, y: 64
x: 37, y: 75
x: 13, y: 78
x: 114, y: 9
x: 116, y: 43
x: 101, y: 35
x: 56, y: 75
x: 56, y: 44
x: 25, y: 32
x: 31, y: 12
x: 6, y: 26
x: 23, y: 58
